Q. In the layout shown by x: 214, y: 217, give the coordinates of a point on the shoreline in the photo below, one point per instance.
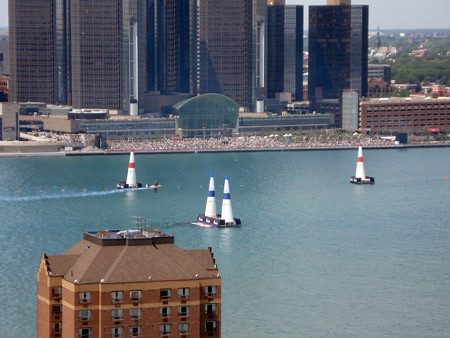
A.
x: 198, y: 151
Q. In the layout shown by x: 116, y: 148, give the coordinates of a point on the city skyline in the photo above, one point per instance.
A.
x: 417, y: 15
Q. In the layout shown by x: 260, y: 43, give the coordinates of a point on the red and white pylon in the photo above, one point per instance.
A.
x: 360, y: 173
x: 131, y: 175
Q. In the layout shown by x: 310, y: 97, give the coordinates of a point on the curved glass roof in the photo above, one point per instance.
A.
x: 210, y: 111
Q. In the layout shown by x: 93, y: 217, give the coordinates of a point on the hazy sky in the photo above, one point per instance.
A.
x: 399, y: 14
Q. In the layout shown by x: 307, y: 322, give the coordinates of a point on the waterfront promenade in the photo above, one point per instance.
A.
x: 223, y: 144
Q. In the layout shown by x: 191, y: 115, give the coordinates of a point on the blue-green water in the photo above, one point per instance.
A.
x: 316, y: 256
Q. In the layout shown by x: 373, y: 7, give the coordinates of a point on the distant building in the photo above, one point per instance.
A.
x: 9, y: 113
x: 131, y: 283
x: 4, y: 89
x: 31, y: 51
x: 338, y: 44
x: 4, y: 57
x: 405, y: 114
x: 350, y: 110
x: 285, y: 50
x: 379, y: 80
x: 82, y: 53
x: 224, y: 50
x: 169, y: 43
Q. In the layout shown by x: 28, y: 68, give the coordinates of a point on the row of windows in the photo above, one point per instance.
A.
x: 136, y: 313
x: 136, y: 331
x: 136, y: 295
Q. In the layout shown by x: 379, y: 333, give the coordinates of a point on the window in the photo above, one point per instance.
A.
x: 84, y: 297
x: 164, y: 329
x: 84, y: 315
x: 210, y: 291
x: 56, y: 292
x: 57, y: 327
x: 117, y: 296
x: 183, y: 311
x: 211, y: 325
x: 117, y: 314
x: 56, y: 309
x: 135, y: 313
x: 183, y: 328
x: 135, y: 331
x: 183, y: 293
x: 117, y: 331
x: 164, y: 311
x: 210, y: 309
x: 135, y: 295
x: 164, y: 293
x: 84, y: 332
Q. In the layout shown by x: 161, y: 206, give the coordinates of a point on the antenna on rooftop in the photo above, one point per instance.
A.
x: 141, y: 222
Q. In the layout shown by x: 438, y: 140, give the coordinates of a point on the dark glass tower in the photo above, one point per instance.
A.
x: 90, y: 54
x: 338, y: 42
x: 285, y: 50
x: 168, y: 46
x: 32, y: 51
x: 224, y: 49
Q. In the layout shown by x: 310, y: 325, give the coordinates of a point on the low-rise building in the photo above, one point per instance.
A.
x: 131, y: 283
x: 405, y: 114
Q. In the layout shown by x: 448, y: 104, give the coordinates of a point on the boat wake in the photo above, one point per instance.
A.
x: 68, y: 194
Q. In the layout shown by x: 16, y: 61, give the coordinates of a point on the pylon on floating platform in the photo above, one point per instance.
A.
x: 360, y: 175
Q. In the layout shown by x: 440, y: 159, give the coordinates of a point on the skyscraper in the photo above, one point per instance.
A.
x: 338, y: 42
x: 87, y: 54
x: 31, y: 48
x: 285, y: 50
x: 224, y: 49
x: 168, y: 49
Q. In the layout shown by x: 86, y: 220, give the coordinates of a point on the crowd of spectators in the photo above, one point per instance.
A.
x: 241, y: 143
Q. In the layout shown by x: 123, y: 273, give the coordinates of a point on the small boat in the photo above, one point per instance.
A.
x: 360, y: 175
x: 131, y: 183
x: 211, y: 219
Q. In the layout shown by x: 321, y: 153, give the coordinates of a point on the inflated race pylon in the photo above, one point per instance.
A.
x: 360, y: 173
x: 131, y: 175
x: 227, y: 212
x: 210, y: 210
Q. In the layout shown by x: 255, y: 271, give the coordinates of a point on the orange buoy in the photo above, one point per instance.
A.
x: 259, y: 185
x: 106, y: 189
x: 242, y: 185
x: 221, y: 186
x: 84, y: 189
x: 18, y: 191
x: 296, y: 183
x: 178, y: 187
x: 446, y: 178
x: 62, y: 190
x: 200, y: 187
x: 276, y: 184
x: 40, y: 190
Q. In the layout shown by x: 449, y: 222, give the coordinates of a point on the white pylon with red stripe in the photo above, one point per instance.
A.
x: 131, y: 175
x: 210, y: 210
x: 360, y: 165
x: 227, y: 212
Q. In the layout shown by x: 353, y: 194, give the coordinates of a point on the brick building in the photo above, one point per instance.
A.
x: 405, y: 114
x: 128, y: 283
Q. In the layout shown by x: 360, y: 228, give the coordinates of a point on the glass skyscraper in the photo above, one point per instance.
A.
x: 224, y: 49
x: 285, y: 50
x: 338, y: 42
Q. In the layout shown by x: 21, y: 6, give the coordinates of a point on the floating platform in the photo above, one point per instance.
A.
x: 123, y: 185
x: 367, y: 180
x: 215, y: 222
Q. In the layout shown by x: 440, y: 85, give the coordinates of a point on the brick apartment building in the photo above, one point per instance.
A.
x: 405, y: 114
x: 132, y: 283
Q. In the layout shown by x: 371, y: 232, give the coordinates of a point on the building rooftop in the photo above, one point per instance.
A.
x: 125, y: 256
x: 405, y: 100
